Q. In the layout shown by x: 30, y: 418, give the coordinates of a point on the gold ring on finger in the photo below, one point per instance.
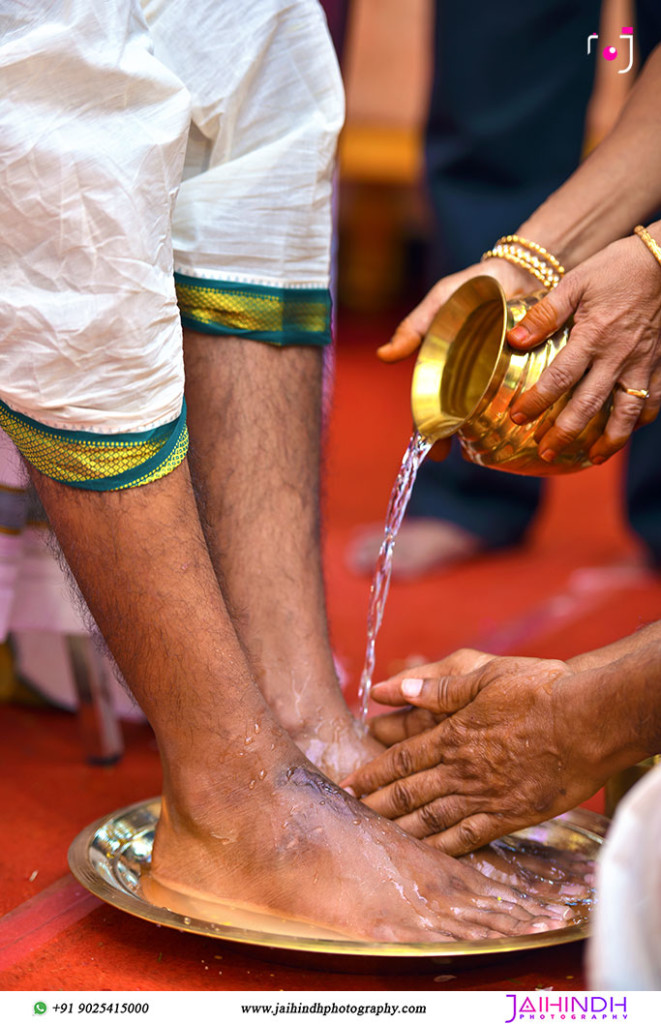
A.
x: 635, y: 392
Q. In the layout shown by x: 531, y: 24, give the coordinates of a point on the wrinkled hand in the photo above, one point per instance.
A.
x: 615, y: 298
x: 501, y: 756
x: 400, y: 725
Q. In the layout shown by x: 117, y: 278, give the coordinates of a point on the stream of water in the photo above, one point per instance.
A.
x: 414, y: 455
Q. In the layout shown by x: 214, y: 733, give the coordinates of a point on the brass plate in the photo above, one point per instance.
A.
x: 111, y: 858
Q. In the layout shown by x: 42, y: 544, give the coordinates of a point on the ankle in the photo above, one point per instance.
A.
x: 313, y: 717
x: 199, y: 789
x: 305, y: 696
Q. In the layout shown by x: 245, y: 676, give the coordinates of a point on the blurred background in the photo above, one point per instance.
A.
x: 386, y: 225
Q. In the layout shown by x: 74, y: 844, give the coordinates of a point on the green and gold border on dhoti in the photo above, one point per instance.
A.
x: 279, y: 316
x: 98, y: 462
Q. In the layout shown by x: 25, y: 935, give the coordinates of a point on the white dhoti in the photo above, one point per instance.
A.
x: 106, y: 197
x: 625, y: 949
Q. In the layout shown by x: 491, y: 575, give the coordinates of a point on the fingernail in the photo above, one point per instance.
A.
x: 412, y: 687
x: 518, y: 333
x: 548, y: 455
x: 349, y: 790
x: 518, y: 417
x: 597, y: 460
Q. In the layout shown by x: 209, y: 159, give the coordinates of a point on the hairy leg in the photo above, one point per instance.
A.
x: 245, y: 817
x: 255, y: 425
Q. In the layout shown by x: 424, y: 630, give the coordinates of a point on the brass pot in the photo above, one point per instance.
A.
x: 466, y: 378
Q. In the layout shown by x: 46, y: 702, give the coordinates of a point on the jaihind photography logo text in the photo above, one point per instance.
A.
x: 554, y: 1008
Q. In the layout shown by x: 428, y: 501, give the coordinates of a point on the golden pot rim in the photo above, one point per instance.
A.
x: 471, y: 323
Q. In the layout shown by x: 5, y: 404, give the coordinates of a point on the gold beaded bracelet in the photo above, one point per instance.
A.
x: 530, y: 256
x: 534, y: 247
x: 648, y: 241
x: 521, y: 258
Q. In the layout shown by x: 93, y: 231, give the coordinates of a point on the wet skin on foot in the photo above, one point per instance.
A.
x: 324, y: 858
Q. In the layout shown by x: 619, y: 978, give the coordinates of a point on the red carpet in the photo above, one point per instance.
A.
x: 557, y: 597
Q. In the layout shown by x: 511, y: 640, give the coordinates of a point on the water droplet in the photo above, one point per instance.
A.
x: 187, y: 920
x: 356, y: 821
x: 262, y: 774
x: 251, y: 784
x: 248, y: 740
x: 257, y: 727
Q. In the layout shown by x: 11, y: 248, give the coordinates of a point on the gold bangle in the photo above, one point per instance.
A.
x: 534, y: 247
x: 520, y: 258
x: 544, y: 275
x: 648, y: 241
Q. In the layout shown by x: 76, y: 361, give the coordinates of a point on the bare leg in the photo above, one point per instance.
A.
x: 245, y: 817
x: 255, y: 424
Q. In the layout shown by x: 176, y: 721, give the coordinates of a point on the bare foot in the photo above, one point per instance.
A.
x: 312, y: 710
x: 308, y: 703
x: 332, y: 744
x: 563, y: 876
x: 274, y: 834
x: 423, y: 545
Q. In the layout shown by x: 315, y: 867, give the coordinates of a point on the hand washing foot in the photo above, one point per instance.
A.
x: 319, y: 856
